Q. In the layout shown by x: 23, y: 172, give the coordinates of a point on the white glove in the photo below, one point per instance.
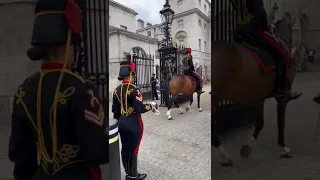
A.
x: 154, y: 106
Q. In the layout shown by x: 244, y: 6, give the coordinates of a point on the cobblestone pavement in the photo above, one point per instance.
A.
x: 170, y: 150
x: 265, y: 163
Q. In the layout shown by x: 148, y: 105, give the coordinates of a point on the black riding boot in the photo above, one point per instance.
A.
x: 130, y: 165
x: 284, y: 89
x: 199, y: 88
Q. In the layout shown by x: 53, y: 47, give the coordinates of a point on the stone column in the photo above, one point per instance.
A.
x: 16, y: 19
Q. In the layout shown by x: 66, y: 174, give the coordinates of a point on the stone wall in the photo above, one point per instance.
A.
x: 16, y: 19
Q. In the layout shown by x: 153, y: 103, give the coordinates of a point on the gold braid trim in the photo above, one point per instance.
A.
x: 53, y: 116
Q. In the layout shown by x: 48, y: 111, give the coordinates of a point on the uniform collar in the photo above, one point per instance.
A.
x: 52, y: 66
x: 126, y: 82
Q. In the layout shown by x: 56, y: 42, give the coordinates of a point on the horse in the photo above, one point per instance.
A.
x: 237, y: 77
x: 182, y: 84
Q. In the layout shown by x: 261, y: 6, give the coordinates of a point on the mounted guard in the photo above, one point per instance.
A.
x: 189, y: 70
x: 127, y: 108
x: 57, y: 116
x: 253, y: 28
x: 252, y: 69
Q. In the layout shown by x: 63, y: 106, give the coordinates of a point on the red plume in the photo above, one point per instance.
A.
x: 73, y: 17
x: 132, y: 67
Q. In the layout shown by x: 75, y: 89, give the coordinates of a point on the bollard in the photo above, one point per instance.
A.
x: 114, y: 153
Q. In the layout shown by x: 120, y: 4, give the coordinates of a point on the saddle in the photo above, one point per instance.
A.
x: 192, y: 79
x: 263, y: 57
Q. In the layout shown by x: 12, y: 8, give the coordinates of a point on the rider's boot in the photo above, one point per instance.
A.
x: 132, y: 173
x: 284, y: 89
x: 199, y: 88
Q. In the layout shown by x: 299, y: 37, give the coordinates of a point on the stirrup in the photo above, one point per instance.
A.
x: 287, y: 95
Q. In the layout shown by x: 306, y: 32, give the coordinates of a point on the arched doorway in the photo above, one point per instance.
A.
x: 181, y: 38
x: 139, y: 51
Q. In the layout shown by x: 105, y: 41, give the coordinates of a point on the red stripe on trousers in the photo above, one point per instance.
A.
x: 196, y: 75
x: 95, y: 172
x: 141, y: 133
x: 287, y: 57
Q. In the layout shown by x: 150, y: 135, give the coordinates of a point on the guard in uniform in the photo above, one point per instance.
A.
x: 190, y: 71
x: 127, y: 108
x: 58, y: 122
x: 252, y: 28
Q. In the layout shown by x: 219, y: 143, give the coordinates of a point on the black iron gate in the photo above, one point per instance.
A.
x: 171, y: 62
x: 181, y: 53
x: 144, y: 71
x: 168, y: 67
x: 224, y: 22
x: 93, y: 55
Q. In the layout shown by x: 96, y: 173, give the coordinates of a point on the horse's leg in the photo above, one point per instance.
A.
x: 169, y: 108
x: 189, y: 106
x: 225, y: 159
x: 281, y: 115
x: 198, y: 99
x: 176, y: 103
x: 259, y: 124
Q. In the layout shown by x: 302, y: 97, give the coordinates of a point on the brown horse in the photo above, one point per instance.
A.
x: 181, y: 84
x: 237, y: 77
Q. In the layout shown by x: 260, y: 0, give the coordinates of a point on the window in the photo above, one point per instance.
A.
x: 205, y: 46
x: 180, y: 24
x: 123, y: 27
x: 205, y: 26
x: 199, y: 22
x: 199, y: 44
x: 180, y: 2
x: 205, y: 8
x: 199, y: 2
x: 149, y: 33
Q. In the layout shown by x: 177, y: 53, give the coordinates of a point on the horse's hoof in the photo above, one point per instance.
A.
x: 286, y: 155
x: 187, y: 109
x: 180, y: 112
x: 170, y: 118
x: 226, y: 163
x: 200, y: 110
x: 245, y: 151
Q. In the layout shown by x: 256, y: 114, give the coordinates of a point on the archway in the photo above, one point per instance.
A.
x: 181, y: 38
x: 139, y: 51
